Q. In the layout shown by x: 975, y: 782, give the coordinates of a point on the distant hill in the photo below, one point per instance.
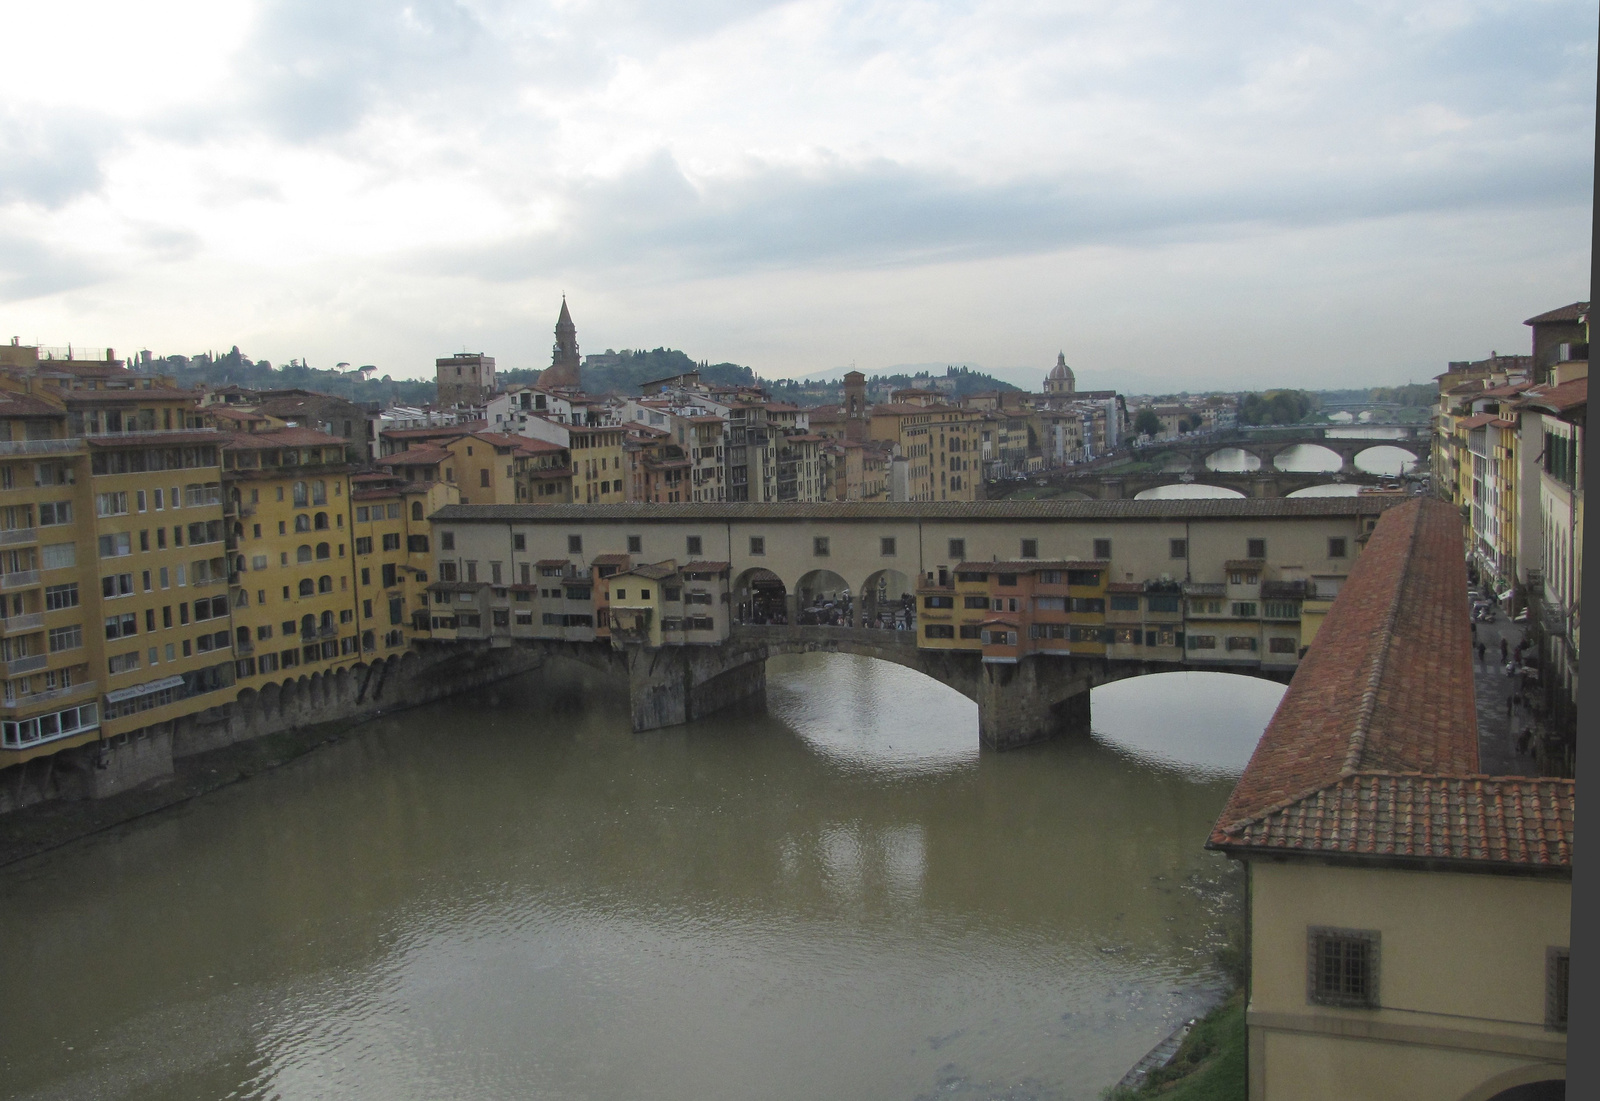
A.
x: 632, y: 369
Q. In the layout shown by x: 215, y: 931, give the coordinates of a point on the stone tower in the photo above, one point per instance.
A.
x: 563, y: 369
x: 466, y: 379
x: 855, y: 406
x: 1060, y: 379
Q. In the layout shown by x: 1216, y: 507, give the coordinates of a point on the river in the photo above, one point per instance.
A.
x: 515, y: 896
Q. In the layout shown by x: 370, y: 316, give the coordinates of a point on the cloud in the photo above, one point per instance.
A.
x: 49, y: 157
x: 31, y: 268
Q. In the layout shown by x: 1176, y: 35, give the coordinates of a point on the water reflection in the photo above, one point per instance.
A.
x: 1232, y: 460
x: 514, y: 895
x: 1222, y: 719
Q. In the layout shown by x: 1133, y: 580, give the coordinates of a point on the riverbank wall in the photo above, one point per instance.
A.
x: 115, y: 765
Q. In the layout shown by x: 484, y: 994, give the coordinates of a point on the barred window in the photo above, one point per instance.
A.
x: 1556, y: 969
x: 957, y: 549
x: 1342, y: 967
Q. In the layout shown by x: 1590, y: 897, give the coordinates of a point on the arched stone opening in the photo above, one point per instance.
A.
x: 1308, y: 458
x: 760, y: 597
x: 1386, y: 459
x: 824, y: 598
x: 888, y: 602
x: 1233, y: 460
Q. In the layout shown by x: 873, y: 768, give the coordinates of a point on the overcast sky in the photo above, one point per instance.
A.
x: 1178, y: 195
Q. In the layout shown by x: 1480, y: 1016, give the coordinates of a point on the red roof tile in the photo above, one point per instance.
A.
x: 1558, y: 399
x: 1565, y: 313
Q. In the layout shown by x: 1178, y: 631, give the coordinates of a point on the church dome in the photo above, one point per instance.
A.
x: 1060, y: 379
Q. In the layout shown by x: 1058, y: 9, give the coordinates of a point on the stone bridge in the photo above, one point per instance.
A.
x: 1018, y: 703
x: 1263, y: 483
x: 1266, y: 444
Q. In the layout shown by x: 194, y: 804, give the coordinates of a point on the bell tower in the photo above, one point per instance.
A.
x: 564, y: 360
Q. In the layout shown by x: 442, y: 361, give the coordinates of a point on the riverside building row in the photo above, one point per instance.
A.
x: 158, y: 556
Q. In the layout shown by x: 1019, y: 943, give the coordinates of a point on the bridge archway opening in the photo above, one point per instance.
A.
x: 760, y: 597
x: 1329, y: 489
x: 824, y: 599
x: 1232, y: 460
x: 1308, y: 458
x: 1184, y: 490
x: 1386, y: 459
x: 888, y: 601
x: 1201, y: 722
x: 1174, y: 462
x: 1077, y: 495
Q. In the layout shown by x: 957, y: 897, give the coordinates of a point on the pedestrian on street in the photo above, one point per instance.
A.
x: 1504, y: 649
x: 1480, y: 652
x: 1474, y: 628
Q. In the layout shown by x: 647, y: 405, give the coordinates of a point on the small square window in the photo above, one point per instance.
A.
x: 574, y: 544
x: 1030, y: 548
x: 1342, y: 967
x: 1102, y: 549
x: 819, y: 546
x: 1255, y: 548
x: 758, y: 545
x: 635, y: 544
x: 692, y: 545
x: 447, y: 540
x: 1178, y: 548
x: 1336, y: 547
x: 519, y: 542
x: 886, y: 546
x: 1556, y: 970
x: 958, y: 550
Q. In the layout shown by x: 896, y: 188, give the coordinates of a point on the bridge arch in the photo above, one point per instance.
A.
x: 1240, y: 459
x: 888, y: 597
x: 760, y: 597
x: 1386, y: 452
x: 823, y: 597
x: 1309, y: 458
x: 1186, y: 489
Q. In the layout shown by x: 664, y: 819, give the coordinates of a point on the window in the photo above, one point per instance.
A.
x: 1163, y: 603
x: 58, y: 556
x: 519, y: 542
x: 110, y: 504
x: 1336, y: 547
x: 66, y: 638
x: 938, y: 630
x: 391, y: 541
x: 574, y: 544
x: 57, y: 597
x: 1255, y: 548
x: 1124, y: 602
x: 635, y: 544
x: 979, y: 602
x: 1342, y: 967
x: 323, y: 552
x: 939, y: 602
x: 55, y: 512
x: 363, y: 514
x: 1102, y: 549
x: 483, y: 478
x: 886, y: 546
x: 117, y: 584
x: 1083, y: 577
x: 1094, y: 605
x: 1030, y: 548
x: 390, y: 578
x: 1178, y: 548
x: 324, y: 584
x: 971, y: 630
x: 416, y: 510
x: 958, y: 549
x: 123, y: 663
x: 122, y: 626
x: 692, y: 546
x: 321, y: 521
x: 302, y: 523
x: 307, y: 587
x: 1281, y: 609
x: 1202, y: 642
x: 418, y: 544
x: 1280, y: 646
x: 1241, y: 642
x: 1244, y: 608
x: 1556, y: 969
x: 1006, y: 580
x: 758, y: 545
x: 447, y: 540
x: 115, y: 546
x: 819, y: 546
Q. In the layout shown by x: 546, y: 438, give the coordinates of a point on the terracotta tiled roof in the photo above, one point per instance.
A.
x: 611, y: 560
x: 552, y: 562
x: 1495, y: 819
x: 26, y: 405
x: 281, y: 437
x: 417, y: 456
x: 655, y: 571
x: 704, y: 567
x: 1374, y: 749
x: 1558, y: 399
x: 196, y: 435
x: 1566, y: 313
x: 1476, y: 421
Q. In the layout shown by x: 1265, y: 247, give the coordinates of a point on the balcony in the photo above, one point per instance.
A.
x: 244, y: 646
x: 30, y: 664
x: 16, y: 623
x: 18, y: 535
x: 34, y: 699
x: 40, y: 447
x: 327, y: 632
x: 20, y: 579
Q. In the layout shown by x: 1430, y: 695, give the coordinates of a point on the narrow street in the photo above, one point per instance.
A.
x: 1501, y: 721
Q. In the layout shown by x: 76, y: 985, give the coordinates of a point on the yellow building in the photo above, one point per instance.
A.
x: 392, y: 538
x: 940, y: 444
x: 294, y: 602
x: 597, y: 470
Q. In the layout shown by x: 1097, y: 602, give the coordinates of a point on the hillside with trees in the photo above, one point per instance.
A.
x: 957, y: 382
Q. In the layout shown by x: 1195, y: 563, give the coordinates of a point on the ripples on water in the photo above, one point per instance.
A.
x: 516, y: 896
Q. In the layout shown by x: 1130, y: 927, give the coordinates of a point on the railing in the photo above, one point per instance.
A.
x: 30, y: 622
x: 327, y: 632
x: 34, y: 699
x: 40, y: 447
x: 19, y: 579
x: 244, y: 646
x: 18, y: 535
x: 31, y: 664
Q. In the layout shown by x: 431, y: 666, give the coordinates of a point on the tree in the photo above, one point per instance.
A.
x: 1147, y: 423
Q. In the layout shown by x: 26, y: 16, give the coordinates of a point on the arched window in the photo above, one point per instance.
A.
x: 322, y: 551
x: 321, y: 523
x: 241, y: 599
x: 238, y: 531
x: 300, y: 495
x: 319, y: 493
x: 416, y: 510
x: 244, y: 637
x: 324, y: 584
x: 302, y: 553
x: 307, y: 587
x: 302, y: 522
x: 327, y: 620
x: 308, y: 626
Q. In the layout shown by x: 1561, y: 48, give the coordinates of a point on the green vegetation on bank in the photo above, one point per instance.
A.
x: 957, y: 382
x: 1209, y: 1066
x: 1277, y: 407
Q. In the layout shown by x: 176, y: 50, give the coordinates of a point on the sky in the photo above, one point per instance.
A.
x: 1176, y: 195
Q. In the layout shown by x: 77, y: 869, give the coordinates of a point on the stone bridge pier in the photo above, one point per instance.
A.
x: 1038, y: 697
